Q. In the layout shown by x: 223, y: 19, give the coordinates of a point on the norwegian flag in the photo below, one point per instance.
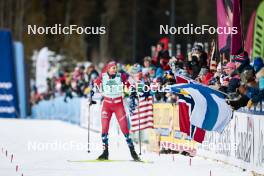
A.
x: 186, y: 105
x: 142, y: 117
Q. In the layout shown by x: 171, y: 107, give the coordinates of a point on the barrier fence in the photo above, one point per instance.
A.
x: 241, y: 144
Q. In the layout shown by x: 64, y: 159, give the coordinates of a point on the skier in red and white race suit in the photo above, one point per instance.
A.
x: 112, y: 83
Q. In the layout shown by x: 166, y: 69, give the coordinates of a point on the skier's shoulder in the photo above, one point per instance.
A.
x: 104, y: 75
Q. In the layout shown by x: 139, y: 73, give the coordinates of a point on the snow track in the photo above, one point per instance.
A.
x: 42, y: 148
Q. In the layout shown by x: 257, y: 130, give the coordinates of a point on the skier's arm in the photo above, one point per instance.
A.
x: 98, y: 81
x: 125, y: 81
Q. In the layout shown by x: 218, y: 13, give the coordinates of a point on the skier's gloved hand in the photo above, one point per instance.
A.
x: 92, y: 102
x: 133, y: 94
x: 141, y: 94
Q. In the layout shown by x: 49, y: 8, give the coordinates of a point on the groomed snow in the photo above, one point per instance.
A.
x: 17, y: 135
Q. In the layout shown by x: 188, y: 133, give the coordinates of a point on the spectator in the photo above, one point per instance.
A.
x: 205, y: 76
x: 259, y: 68
x: 247, y: 88
x: 146, y: 65
x: 242, y: 64
x: 234, y: 79
x: 180, y: 61
x: 152, y: 73
x: 198, y: 51
x: 195, y: 67
x: 91, y: 74
x: 237, y: 78
x: 161, y: 57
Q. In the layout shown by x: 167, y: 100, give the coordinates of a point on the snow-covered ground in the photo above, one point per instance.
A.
x: 33, y: 145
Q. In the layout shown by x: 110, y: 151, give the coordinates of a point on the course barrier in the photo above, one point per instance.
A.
x: 241, y: 144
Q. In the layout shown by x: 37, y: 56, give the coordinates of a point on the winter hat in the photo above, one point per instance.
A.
x: 111, y: 64
x: 147, y: 58
x: 198, y: 47
x: 258, y: 64
x: 136, y: 68
x: 231, y: 65
x: 242, y: 57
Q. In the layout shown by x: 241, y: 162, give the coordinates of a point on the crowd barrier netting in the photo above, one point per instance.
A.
x: 75, y: 110
x: 241, y: 144
x: 57, y: 109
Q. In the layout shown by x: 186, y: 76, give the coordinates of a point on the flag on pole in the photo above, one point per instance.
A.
x: 250, y: 35
x: 237, y: 39
x: 224, y: 20
x: 229, y: 16
x: 186, y: 105
x: 142, y: 117
x: 210, y: 111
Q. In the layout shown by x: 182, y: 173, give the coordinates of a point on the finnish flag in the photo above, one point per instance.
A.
x: 210, y: 112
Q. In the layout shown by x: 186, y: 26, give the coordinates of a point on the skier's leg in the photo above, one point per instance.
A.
x: 121, y: 117
x: 123, y: 123
x: 106, y: 115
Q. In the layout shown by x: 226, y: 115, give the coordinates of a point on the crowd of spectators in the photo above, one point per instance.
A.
x: 67, y: 84
x: 239, y: 77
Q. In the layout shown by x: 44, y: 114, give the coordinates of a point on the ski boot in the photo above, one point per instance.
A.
x: 134, y: 154
x: 131, y: 148
x: 105, y: 154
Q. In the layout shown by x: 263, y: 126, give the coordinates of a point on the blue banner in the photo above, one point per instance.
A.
x: 8, y: 91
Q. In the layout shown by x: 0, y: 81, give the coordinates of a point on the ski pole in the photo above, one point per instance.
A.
x: 139, y: 132
x: 89, y: 118
x: 89, y: 108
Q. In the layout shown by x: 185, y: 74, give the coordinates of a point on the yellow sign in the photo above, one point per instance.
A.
x: 166, y: 120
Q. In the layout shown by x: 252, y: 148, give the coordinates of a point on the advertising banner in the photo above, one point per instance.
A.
x: 241, y: 144
x: 8, y: 91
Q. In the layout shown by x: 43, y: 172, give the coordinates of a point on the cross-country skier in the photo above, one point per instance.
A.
x: 111, y: 82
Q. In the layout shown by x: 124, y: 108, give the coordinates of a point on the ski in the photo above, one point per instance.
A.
x: 95, y: 161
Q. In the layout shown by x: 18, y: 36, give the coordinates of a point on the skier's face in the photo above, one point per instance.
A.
x: 112, y: 70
